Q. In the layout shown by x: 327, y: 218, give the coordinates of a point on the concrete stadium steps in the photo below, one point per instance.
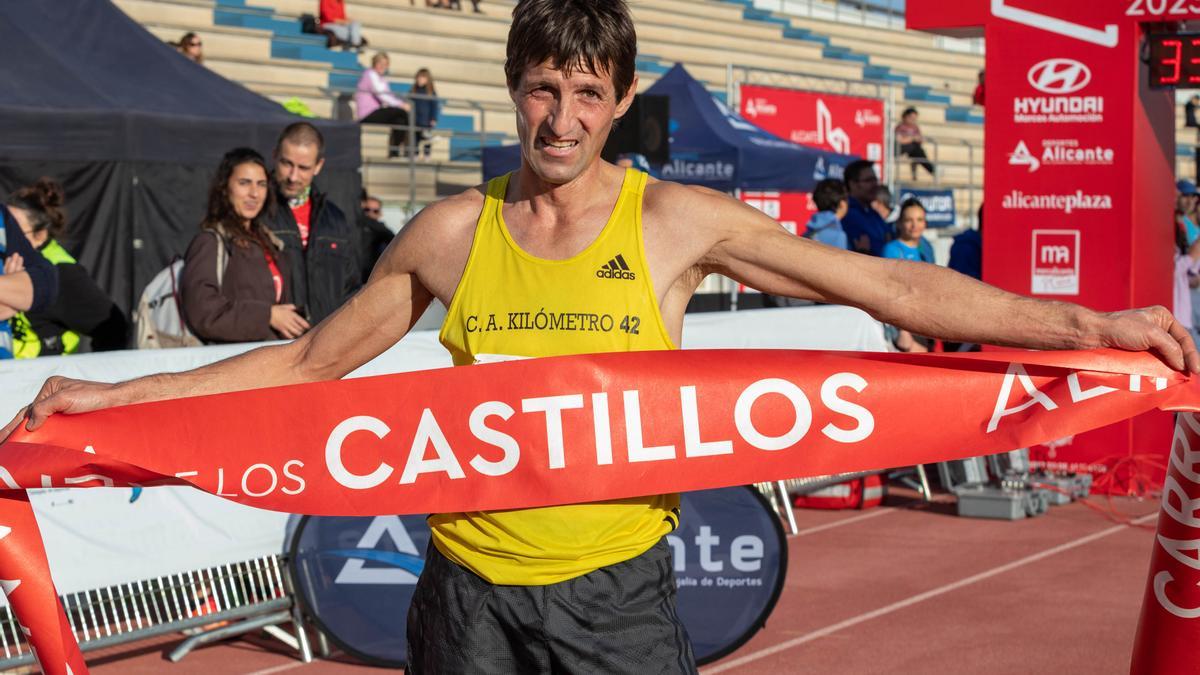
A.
x: 219, y: 42
x: 195, y: 13
x: 390, y: 179
x: 255, y: 73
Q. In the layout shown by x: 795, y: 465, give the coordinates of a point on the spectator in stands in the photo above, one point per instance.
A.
x: 832, y: 202
x: 864, y: 227
x: 909, y: 138
x: 81, y: 307
x: 909, y: 244
x: 425, y: 110
x: 192, y: 47
x: 1190, y: 120
x: 1187, y: 274
x: 1187, y: 200
x: 28, y: 282
x: 977, y: 97
x: 374, y: 235
x: 966, y: 253
x: 319, y: 243
x: 250, y: 300
x: 377, y: 105
x: 882, y: 204
x: 334, y: 21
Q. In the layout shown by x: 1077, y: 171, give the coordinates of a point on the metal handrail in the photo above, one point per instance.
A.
x: 482, y: 108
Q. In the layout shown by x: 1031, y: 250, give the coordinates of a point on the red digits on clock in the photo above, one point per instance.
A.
x: 1193, y: 62
x: 1173, y: 61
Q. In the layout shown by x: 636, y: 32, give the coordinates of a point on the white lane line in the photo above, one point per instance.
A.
x: 333, y: 653
x: 282, y: 668
x: 846, y: 521
x: 921, y: 597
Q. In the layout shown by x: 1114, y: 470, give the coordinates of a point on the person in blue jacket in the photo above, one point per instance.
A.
x: 909, y: 244
x: 832, y: 203
x: 27, y: 280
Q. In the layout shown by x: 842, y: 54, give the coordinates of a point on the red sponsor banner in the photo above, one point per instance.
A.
x: 792, y: 210
x: 850, y: 125
x: 560, y: 430
x: 1079, y: 169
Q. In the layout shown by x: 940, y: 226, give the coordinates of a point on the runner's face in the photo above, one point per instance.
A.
x: 247, y: 190
x: 562, y: 121
x: 295, y: 167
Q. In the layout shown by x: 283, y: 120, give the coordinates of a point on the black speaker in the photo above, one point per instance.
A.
x: 642, y: 130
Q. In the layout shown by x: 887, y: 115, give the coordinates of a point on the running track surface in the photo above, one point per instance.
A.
x: 903, y: 588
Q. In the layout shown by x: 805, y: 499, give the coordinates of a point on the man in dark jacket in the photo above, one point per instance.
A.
x: 319, y: 244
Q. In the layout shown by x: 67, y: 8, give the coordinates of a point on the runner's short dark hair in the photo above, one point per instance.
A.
x: 829, y: 193
x: 586, y: 35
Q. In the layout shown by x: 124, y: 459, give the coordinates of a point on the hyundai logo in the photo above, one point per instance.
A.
x: 1059, y: 76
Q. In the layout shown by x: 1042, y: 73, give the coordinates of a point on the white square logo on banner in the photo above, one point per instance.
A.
x: 1055, y: 262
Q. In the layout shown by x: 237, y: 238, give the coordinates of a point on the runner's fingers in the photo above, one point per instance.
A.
x: 1183, y: 337
x: 12, y: 426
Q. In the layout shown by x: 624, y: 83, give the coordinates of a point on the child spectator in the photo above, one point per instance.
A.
x: 425, y: 109
x: 81, y: 307
x: 249, y: 301
x: 832, y: 201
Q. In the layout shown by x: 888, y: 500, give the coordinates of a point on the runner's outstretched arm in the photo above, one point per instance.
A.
x: 373, y: 320
x: 922, y: 298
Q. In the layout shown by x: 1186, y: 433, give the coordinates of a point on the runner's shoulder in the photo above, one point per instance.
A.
x: 453, y: 213
x: 690, y: 205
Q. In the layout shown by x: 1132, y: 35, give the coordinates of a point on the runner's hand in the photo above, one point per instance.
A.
x: 1152, y: 328
x: 61, y: 394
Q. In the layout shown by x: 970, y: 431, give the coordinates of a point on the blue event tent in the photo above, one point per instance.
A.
x: 714, y: 147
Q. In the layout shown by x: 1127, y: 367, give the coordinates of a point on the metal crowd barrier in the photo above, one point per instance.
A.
x: 779, y: 493
x: 206, y: 605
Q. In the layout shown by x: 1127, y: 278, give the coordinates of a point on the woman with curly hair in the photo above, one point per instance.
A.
x: 235, y: 280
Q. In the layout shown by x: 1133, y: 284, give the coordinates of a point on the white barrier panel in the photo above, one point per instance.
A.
x: 96, y: 538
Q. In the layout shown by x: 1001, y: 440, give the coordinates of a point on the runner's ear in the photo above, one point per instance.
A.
x: 627, y: 100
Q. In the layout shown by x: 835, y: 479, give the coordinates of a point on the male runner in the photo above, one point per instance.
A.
x: 588, y: 588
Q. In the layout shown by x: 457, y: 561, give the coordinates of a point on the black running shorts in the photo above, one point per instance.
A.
x: 617, y: 619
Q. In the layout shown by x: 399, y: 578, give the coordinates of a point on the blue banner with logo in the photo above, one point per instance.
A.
x: 939, y: 205
x: 730, y: 558
x: 355, y: 576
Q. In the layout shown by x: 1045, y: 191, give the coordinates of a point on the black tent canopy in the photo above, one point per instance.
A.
x: 133, y: 130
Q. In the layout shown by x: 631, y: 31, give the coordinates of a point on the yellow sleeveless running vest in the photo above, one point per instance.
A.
x: 511, y: 303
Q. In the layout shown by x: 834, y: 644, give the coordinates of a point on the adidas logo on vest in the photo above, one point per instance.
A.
x: 616, y: 269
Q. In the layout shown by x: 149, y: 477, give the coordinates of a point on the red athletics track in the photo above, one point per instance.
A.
x: 904, y: 588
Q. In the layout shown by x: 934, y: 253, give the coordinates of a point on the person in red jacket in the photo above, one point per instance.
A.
x: 977, y: 97
x: 334, y: 20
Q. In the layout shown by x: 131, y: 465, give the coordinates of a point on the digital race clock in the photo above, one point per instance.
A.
x: 1174, y: 60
